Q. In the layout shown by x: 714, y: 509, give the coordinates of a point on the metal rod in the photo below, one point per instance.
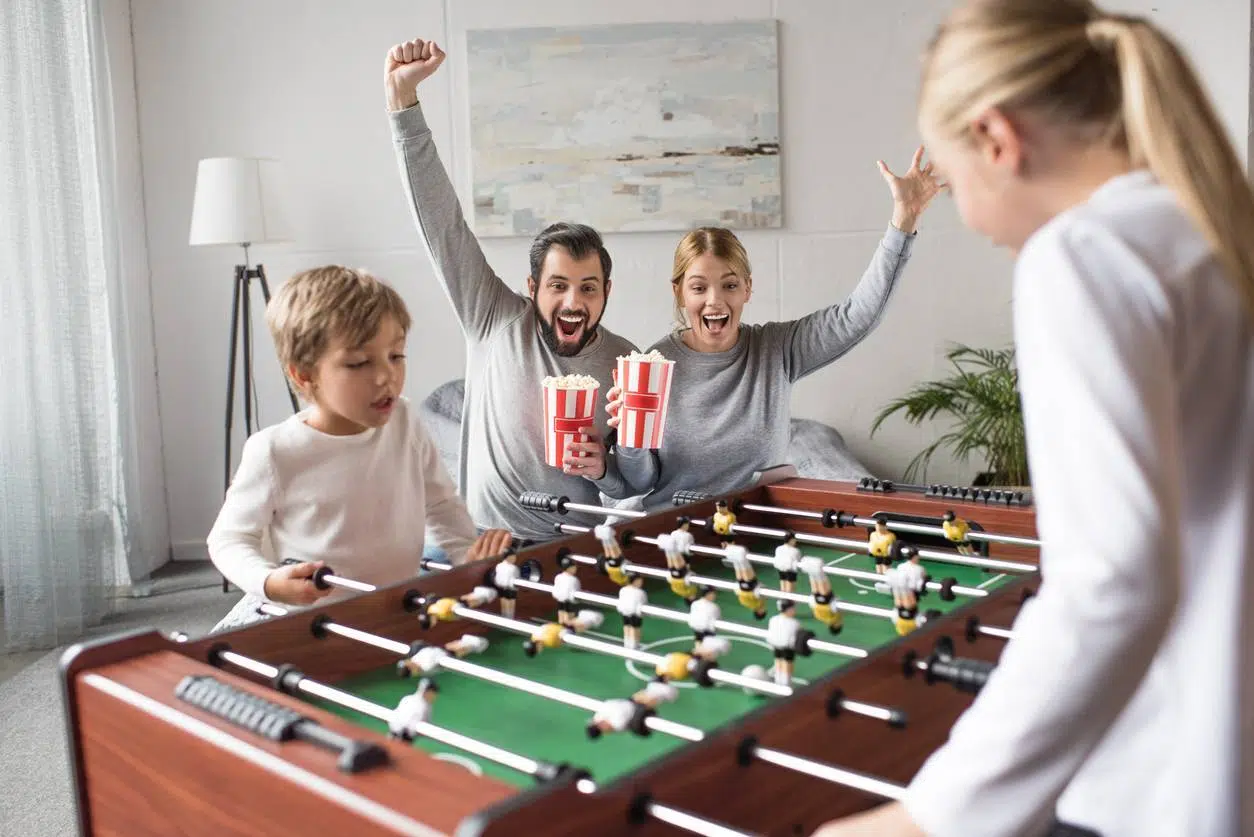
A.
x: 765, y: 592
x: 605, y: 510
x: 854, y: 546
x: 366, y: 638
x: 348, y: 583
x: 848, y: 778
x: 999, y: 633
x: 589, y: 704
x: 268, y: 609
x: 861, y: 546
x: 445, y: 736
x: 676, y: 616
x: 899, y: 526
x: 574, y: 640
x: 691, y: 823
x: 522, y: 684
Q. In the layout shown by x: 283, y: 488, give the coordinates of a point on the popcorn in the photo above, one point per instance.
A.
x: 650, y: 356
x: 571, y: 382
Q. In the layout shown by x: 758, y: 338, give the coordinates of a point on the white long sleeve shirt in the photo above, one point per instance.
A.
x: 365, y: 504
x: 1125, y: 697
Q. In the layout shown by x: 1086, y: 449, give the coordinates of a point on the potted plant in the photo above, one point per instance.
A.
x: 982, y: 399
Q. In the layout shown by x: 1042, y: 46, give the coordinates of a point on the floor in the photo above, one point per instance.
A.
x: 36, y: 796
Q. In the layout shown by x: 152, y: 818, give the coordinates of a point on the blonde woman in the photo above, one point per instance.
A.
x: 1123, y: 705
x: 730, y: 408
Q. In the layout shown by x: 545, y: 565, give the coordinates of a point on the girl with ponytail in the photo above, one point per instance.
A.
x: 1124, y: 704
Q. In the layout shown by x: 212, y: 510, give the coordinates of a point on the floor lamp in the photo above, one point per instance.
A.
x: 237, y: 202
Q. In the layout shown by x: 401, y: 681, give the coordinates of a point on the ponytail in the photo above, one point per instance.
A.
x: 1172, y: 129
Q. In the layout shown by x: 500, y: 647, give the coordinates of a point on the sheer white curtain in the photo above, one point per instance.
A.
x: 68, y: 511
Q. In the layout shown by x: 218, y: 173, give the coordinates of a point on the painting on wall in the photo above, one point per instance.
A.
x: 630, y: 127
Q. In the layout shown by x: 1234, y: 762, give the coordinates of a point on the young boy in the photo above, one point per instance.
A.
x: 353, y: 481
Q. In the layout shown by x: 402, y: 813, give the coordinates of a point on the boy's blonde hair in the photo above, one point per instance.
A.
x: 722, y: 244
x: 1110, y: 79
x: 316, y: 307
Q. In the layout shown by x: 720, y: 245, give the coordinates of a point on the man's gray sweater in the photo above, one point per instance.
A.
x: 502, y: 432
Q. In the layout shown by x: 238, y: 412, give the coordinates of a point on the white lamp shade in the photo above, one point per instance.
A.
x: 239, y: 200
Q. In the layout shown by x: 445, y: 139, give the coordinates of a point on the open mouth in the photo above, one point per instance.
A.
x: 383, y: 403
x: 717, y: 323
x: 568, y: 325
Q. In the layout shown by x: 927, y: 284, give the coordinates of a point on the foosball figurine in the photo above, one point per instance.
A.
x: 426, y: 658
x: 821, y: 597
x: 565, y: 586
x: 956, y: 529
x: 781, y: 635
x: 750, y: 599
x: 723, y: 519
x: 619, y: 715
x: 504, y: 576
x: 631, y: 601
x: 441, y: 610
x: 880, y: 544
x: 682, y: 540
x: 787, y: 559
x: 906, y: 581
x: 738, y: 557
x: 413, y: 711
x: 703, y: 615
x: 609, y: 540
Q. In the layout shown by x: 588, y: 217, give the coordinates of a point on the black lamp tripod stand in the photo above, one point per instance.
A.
x: 241, y: 313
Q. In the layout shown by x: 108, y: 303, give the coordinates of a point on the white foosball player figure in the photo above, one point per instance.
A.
x: 620, y: 715
x: 682, y: 540
x: 631, y: 602
x: 565, y: 586
x: 609, y: 540
x: 787, y: 560
x: 906, y: 581
x: 426, y: 660
x: 413, y: 711
x: 504, y: 577
x: 703, y: 615
x: 781, y: 635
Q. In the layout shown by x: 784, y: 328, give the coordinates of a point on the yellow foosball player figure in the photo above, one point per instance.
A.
x: 614, y: 569
x: 880, y: 544
x: 750, y: 599
x: 956, y: 530
x: 723, y: 518
x: 821, y: 607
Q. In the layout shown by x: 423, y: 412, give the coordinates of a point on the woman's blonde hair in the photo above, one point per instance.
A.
x: 717, y: 241
x: 1115, y: 79
x: 316, y: 307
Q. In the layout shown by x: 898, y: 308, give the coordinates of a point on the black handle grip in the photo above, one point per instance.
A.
x: 685, y: 496
x: 543, y: 501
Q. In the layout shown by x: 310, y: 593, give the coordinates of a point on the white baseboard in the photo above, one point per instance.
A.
x: 189, y: 551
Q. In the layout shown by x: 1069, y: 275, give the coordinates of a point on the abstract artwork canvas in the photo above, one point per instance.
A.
x: 628, y: 127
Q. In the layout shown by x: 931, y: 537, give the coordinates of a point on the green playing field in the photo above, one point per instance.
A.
x: 542, y: 729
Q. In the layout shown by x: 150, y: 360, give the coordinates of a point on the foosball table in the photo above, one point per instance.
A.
x: 624, y: 679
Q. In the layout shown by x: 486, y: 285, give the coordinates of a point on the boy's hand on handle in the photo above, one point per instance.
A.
x: 586, y: 458
x: 614, y: 401
x: 490, y: 544
x: 407, y: 65
x: 293, y: 584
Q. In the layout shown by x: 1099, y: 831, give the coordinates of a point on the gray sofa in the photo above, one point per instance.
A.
x: 816, y: 450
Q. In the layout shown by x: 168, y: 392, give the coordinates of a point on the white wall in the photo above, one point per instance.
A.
x: 300, y: 80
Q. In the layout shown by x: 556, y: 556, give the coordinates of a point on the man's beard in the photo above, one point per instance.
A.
x: 560, y: 348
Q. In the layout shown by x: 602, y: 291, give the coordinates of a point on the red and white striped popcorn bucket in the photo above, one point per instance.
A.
x: 646, y: 386
x: 566, y: 411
